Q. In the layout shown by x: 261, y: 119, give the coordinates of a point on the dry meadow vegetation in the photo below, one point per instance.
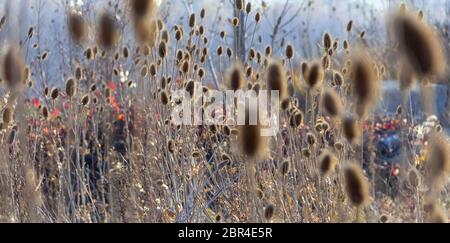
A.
x: 100, y: 145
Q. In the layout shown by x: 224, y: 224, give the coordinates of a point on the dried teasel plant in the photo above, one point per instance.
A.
x: 419, y: 45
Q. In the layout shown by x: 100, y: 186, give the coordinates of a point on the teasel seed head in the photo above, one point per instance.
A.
x: 314, y: 76
x: 268, y: 212
x: 327, y: 163
x: 162, y: 49
x: 284, y: 167
x: 438, y: 163
x: 164, y: 98
x: 71, y: 87
x: 107, y: 30
x: 8, y: 115
x: 13, y: 67
x: 54, y: 94
x: 327, y: 41
x: 420, y: 45
x: 236, y: 78
x: 356, y: 185
x: 77, y: 27
x: 290, y: 51
x: 248, y: 8
x: 311, y: 139
x: 257, y: 17
x: 192, y: 21
x: 276, y: 79
x: 350, y: 26
x: 331, y: 103
x: 85, y: 100
x: 142, y: 8
x: 296, y: 119
x: 351, y: 129
x: 365, y: 84
x: 251, y: 141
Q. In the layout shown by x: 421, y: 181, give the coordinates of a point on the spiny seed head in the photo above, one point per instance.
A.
x: 356, y: 185
x: 268, y: 212
x: 79, y: 73
x: 326, y: 62
x: 142, y: 8
x: 192, y: 21
x: 331, y: 103
x: 248, y: 8
x: 350, y: 129
x: 235, y: 78
x: 165, y: 36
x: 438, y: 163
x: 276, y: 79
x: 327, y: 163
x: 420, y: 45
x: 45, y: 112
x: 107, y: 30
x: 77, y: 27
x: 350, y: 26
x: 290, y: 51
x: 327, y: 41
x: 71, y: 87
x: 338, y: 79
x: 171, y: 146
x: 257, y: 17
x: 296, y: 119
x: 239, y: 4
x: 164, y: 98
x: 54, y: 94
x: 306, y: 152
x: 311, y: 139
x: 314, y: 76
x: 235, y: 21
x: 251, y: 141
x: 202, y: 13
x: 85, y: 100
x: 7, y: 115
x: 365, y: 83
x: 268, y: 51
x: 162, y: 49
x: 13, y: 67
x: 284, y: 167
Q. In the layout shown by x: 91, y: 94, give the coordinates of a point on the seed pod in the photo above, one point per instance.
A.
x: 7, y: 115
x: 327, y: 41
x: 164, y: 98
x: 276, y: 79
x: 350, y: 26
x: 71, y: 87
x: 268, y: 212
x: 284, y: 167
x: 350, y: 129
x: 331, y: 103
x: 296, y: 119
x: 13, y: 67
x: 54, y: 94
x: 77, y: 27
x: 192, y: 21
x: 314, y: 76
x: 356, y: 185
x: 85, y: 100
x: 107, y: 31
x: 420, y: 45
x: 290, y: 51
x: 327, y: 163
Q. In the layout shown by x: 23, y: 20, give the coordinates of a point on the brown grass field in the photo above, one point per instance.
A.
x: 87, y: 132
